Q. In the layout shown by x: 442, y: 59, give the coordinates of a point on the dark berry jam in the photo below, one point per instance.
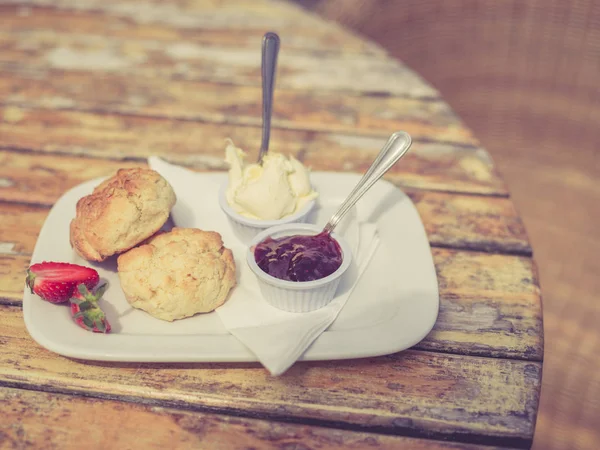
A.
x: 299, y: 257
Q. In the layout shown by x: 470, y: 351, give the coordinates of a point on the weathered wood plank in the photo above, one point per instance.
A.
x: 451, y: 220
x: 489, y: 304
x: 423, y: 392
x: 434, y: 166
x: 219, y: 103
x: 46, y: 420
x: 428, y: 165
x: 21, y: 225
x: 472, y: 222
x: 227, y: 25
x: 12, y: 277
x: 128, y: 137
x: 42, y: 178
x: 297, y: 69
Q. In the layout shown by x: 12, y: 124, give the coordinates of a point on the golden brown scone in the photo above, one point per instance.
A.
x: 121, y: 212
x: 178, y: 274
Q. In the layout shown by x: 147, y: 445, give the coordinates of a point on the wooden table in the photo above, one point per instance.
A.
x: 89, y: 86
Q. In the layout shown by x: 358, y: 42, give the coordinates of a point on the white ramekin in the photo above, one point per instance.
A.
x: 296, y: 296
x: 245, y: 228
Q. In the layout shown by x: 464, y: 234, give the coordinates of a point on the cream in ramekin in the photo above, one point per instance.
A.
x: 259, y: 196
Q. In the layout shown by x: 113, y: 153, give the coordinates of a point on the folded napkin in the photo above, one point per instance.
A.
x: 277, y: 338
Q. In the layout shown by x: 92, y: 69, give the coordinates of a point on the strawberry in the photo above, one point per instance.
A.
x: 85, y: 310
x: 56, y: 281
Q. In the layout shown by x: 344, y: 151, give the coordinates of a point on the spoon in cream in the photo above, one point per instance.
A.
x: 270, y: 50
x: 394, y: 149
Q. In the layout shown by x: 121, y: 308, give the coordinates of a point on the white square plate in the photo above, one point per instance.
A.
x: 394, y: 305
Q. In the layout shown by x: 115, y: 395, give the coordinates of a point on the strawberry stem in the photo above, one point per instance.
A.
x: 30, y: 280
x: 87, y: 314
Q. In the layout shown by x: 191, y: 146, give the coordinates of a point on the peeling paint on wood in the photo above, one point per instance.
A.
x: 207, y: 24
x: 219, y: 103
x: 6, y: 183
x: 296, y: 69
x: 12, y: 114
x: 67, y: 58
x: 478, y: 223
x: 7, y: 248
x: 435, y: 166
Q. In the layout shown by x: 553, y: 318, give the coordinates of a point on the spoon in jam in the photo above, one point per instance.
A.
x: 270, y: 50
x: 310, y: 257
x: 394, y: 149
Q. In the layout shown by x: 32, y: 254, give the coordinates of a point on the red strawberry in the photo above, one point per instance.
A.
x: 56, y: 281
x: 85, y: 310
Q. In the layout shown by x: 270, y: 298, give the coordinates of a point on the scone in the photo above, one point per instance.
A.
x: 121, y: 212
x: 178, y: 274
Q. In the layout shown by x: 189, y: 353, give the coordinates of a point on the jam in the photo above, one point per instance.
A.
x: 299, y: 257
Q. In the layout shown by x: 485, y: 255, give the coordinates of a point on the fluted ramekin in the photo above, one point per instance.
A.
x: 245, y: 228
x: 297, y: 296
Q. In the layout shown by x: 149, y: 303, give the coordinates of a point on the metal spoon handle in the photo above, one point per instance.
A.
x: 395, y: 148
x: 270, y: 50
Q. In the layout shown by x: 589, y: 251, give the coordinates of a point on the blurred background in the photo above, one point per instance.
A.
x: 524, y: 75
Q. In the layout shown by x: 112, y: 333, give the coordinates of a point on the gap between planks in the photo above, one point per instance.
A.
x: 38, y: 411
x: 111, y: 137
x: 276, y: 125
x: 465, y: 437
x: 475, y: 248
x: 225, y: 103
x: 10, y: 303
x: 504, y: 318
x: 406, y: 188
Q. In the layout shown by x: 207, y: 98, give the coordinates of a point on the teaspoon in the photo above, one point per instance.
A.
x: 270, y: 50
x: 395, y: 148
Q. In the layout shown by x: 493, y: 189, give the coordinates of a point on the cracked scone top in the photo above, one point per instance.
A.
x: 178, y: 274
x: 121, y: 212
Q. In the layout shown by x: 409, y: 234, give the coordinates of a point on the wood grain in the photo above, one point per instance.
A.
x: 472, y: 222
x: 408, y: 392
x: 490, y: 305
x: 12, y: 277
x: 41, y: 179
x: 209, y: 24
x: 219, y: 103
x: 47, y: 420
x: 451, y: 220
x: 428, y: 165
x: 20, y: 227
x: 89, y: 86
x: 56, y: 49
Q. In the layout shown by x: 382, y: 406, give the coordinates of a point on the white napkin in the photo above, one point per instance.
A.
x: 277, y: 338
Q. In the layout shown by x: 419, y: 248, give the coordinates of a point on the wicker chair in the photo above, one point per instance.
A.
x: 525, y: 76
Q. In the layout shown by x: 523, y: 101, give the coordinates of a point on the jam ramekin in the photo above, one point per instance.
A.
x: 297, y: 296
x: 246, y: 229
